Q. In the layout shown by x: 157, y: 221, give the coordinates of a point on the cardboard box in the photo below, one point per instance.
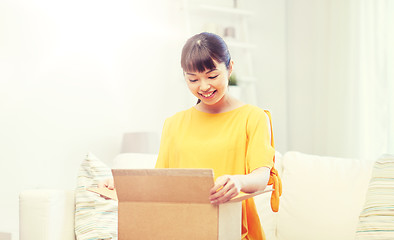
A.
x: 171, y: 204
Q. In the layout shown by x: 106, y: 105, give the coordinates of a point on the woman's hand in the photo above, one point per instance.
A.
x: 225, y: 188
x: 107, y: 183
x: 228, y: 186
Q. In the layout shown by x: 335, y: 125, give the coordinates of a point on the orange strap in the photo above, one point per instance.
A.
x: 274, y: 176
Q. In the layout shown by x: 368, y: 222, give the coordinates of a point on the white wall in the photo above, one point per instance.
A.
x: 268, y: 32
x: 74, y: 76
x: 319, y: 85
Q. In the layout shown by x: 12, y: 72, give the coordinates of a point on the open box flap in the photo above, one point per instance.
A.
x: 163, y: 185
x: 242, y: 196
x: 105, y: 192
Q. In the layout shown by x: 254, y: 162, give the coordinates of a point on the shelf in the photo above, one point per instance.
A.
x: 215, y: 18
x: 226, y: 10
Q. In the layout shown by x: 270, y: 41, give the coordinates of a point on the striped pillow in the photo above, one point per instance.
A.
x: 95, y: 217
x: 376, y: 220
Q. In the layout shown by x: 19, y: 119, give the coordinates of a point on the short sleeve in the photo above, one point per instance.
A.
x: 259, y: 153
x: 163, y: 157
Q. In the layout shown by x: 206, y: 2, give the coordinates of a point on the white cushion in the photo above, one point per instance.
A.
x: 377, y: 217
x: 134, y: 161
x: 95, y: 217
x: 322, y: 197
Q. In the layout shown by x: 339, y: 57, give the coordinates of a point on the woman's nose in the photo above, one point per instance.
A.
x: 205, y: 86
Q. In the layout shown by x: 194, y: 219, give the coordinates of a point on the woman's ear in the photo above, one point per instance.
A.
x: 230, y: 68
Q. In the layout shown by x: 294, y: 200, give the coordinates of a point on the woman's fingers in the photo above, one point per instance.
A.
x: 219, y: 183
x: 110, y: 184
x: 225, y: 188
x: 107, y: 183
x: 224, y: 197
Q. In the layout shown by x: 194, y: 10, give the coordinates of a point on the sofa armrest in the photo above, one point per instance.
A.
x: 46, y: 215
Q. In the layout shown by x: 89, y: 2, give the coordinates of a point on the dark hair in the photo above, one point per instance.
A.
x: 201, y: 50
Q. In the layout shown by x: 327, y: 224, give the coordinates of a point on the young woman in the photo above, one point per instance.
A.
x: 220, y: 132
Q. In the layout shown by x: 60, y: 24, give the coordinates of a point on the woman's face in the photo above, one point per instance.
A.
x: 209, y: 86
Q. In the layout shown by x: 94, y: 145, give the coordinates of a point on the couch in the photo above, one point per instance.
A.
x: 322, y: 199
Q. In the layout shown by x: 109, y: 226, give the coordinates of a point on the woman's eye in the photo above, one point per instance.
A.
x: 193, y: 80
x: 213, y: 77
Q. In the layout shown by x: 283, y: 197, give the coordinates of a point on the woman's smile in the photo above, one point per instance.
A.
x: 208, y: 95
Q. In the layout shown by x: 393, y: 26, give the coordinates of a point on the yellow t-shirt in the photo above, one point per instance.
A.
x: 233, y: 142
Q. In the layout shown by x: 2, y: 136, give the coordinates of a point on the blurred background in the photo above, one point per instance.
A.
x: 76, y: 75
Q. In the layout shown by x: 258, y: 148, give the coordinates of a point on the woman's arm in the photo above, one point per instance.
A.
x: 228, y: 186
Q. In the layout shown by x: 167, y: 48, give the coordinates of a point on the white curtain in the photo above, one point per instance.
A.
x: 370, y: 56
x: 390, y: 72
x: 340, y: 78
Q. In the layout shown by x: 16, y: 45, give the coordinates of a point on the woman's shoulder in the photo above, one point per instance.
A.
x: 256, y: 115
x: 182, y: 113
x: 179, y: 116
x: 253, y: 109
